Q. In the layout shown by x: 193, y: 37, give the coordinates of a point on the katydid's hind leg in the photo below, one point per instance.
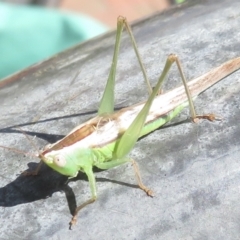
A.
x: 117, y: 162
x: 34, y: 172
x: 92, y: 183
x: 194, y: 116
x: 107, y: 101
x: 134, y: 44
x: 160, y: 91
x: 210, y: 117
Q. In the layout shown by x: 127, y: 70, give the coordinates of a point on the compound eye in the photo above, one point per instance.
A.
x: 60, y: 161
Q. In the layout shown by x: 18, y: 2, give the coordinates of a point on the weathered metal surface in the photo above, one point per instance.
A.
x: 194, y: 169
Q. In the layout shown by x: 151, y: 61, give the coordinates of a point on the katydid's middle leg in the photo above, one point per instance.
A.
x: 117, y: 162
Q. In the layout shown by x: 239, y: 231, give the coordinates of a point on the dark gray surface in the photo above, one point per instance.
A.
x: 194, y: 169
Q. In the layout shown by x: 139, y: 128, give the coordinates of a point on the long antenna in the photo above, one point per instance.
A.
x: 29, y: 139
x: 20, y: 151
x: 32, y: 143
x: 17, y: 150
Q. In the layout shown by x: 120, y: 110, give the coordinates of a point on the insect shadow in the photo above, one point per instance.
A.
x: 26, y: 189
x: 50, y: 138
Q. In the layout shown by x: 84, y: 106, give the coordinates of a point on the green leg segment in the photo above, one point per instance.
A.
x: 92, y: 182
x: 107, y: 101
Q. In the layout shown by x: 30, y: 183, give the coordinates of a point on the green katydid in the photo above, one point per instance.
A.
x: 106, y: 140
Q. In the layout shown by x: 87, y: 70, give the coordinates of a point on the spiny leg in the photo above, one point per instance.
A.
x: 92, y: 183
x: 117, y: 162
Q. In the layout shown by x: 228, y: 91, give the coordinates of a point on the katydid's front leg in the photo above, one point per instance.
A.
x: 92, y: 182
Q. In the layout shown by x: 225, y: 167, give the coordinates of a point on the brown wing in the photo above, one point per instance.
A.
x: 72, y: 138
